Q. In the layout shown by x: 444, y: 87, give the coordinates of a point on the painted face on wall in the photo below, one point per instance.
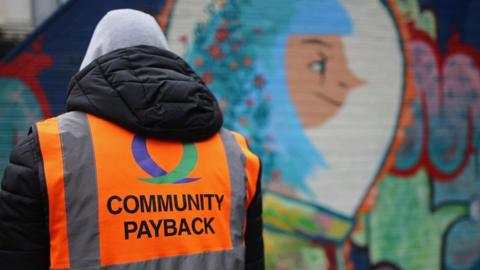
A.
x: 319, y: 78
x: 319, y: 97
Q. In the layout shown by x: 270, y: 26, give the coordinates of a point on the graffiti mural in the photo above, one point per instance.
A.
x: 366, y: 116
x: 309, y: 95
x: 366, y: 119
x: 34, y: 76
x: 22, y: 98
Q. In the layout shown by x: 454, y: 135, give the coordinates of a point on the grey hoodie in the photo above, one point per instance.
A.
x: 129, y: 78
x: 123, y: 28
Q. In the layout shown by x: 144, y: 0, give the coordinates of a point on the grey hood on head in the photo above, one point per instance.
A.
x: 129, y: 77
x: 123, y: 28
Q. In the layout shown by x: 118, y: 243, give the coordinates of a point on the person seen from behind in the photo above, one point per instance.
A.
x: 137, y: 174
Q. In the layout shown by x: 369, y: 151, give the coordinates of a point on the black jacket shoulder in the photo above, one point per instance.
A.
x: 24, y: 235
x: 149, y: 91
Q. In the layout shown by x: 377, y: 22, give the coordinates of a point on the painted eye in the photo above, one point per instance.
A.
x: 318, y: 66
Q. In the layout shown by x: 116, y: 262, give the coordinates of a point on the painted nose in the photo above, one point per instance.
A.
x: 350, y: 81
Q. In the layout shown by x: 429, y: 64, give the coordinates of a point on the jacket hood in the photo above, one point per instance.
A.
x: 123, y: 28
x: 149, y: 91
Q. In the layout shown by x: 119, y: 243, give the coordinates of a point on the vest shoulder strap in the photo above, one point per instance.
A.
x: 252, y: 166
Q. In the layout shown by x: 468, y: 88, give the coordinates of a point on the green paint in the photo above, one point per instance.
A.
x: 359, y: 237
x: 307, y: 223
x: 423, y: 20
x: 291, y: 216
x: 19, y: 109
x: 339, y: 254
x: 403, y: 229
x: 186, y: 165
x: 289, y: 252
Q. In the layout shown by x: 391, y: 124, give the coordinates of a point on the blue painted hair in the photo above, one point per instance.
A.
x: 262, y: 28
x: 326, y: 17
x: 320, y: 17
x: 298, y: 157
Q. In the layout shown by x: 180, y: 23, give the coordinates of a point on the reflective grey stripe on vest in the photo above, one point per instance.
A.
x: 225, y: 259
x: 236, y: 165
x: 238, y: 183
x: 81, y: 196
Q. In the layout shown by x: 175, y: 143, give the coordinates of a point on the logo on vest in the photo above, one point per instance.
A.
x: 159, y: 175
x: 167, y: 214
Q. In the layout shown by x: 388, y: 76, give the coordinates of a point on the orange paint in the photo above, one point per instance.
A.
x: 247, y: 61
x: 347, y: 248
x: 165, y: 14
x: 318, y: 76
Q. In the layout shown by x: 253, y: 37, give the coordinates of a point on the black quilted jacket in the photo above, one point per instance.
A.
x: 157, y: 95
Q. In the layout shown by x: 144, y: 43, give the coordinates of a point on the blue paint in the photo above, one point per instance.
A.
x: 298, y: 158
x: 327, y: 17
x: 455, y: 17
x: 19, y: 109
x: 462, y: 246
x: 359, y: 257
x: 65, y: 37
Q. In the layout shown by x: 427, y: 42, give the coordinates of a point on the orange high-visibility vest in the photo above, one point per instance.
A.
x: 121, y: 201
